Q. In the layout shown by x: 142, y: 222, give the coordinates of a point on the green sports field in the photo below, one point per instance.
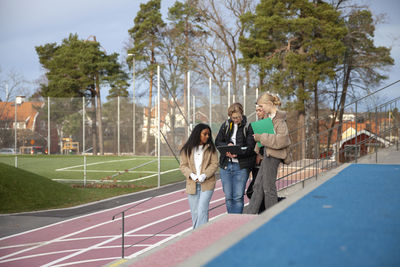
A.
x: 99, y: 169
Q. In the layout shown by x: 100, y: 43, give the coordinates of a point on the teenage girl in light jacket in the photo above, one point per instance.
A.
x: 199, y: 162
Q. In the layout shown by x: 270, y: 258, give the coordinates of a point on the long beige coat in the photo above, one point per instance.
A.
x: 209, y: 166
x: 276, y: 145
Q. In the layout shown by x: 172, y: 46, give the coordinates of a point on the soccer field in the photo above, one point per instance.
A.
x: 99, y: 169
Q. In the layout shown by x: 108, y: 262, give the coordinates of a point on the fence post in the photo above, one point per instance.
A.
x: 159, y: 126
x: 194, y: 110
x: 83, y: 141
x: 244, y: 99
x: 229, y: 94
x: 48, y: 127
x: 118, y: 127
x: 123, y: 234
x: 376, y: 135
x: 15, y: 135
x: 84, y: 171
x: 356, y: 143
x: 188, y: 102
x: 209, y: 82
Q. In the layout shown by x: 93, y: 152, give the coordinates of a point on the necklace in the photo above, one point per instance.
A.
x: 199, y: 150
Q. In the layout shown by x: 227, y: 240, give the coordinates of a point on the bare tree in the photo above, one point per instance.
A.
x: 12, y: 84
x: 221, y: 48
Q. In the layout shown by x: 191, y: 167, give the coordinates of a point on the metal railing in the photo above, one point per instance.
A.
x: 370, y: 131
x: 347, y: 146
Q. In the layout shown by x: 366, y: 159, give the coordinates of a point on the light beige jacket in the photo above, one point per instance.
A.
x: 209, y: 166
x: 276, y: 145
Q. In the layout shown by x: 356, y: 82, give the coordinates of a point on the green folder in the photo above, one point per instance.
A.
x: 263, y: 126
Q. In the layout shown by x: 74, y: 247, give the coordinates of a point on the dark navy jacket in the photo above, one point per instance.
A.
x: 248, y: 156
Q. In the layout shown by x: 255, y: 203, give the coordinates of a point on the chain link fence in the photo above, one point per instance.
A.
x: 121, y: 141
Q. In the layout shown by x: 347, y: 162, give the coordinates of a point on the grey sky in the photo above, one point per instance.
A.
x: 25, y: 24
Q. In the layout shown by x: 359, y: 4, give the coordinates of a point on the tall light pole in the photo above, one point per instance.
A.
x: 133, y: 105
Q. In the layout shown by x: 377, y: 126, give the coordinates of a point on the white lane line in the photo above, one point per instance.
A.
x: 40, y: 254
x: 112, y: 239
x: 114, y: 171
x: 90, y: 214
x: 76, y: 218
x: 86, y: 261
x: 21, y: 245
x: 158, y: 243
x: 172, y: 237
x: 107, y: 236
x: 95, y: 163
x: 149, y: 176
x: 122, y: 172
x: 89, y: 228
x: 39, y: 244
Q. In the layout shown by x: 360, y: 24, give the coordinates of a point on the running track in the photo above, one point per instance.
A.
x: 95, y: 239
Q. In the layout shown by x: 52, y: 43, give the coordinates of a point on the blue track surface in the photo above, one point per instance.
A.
x: 351, y: 220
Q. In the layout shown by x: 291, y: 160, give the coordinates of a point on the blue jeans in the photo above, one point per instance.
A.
x: 234, y: 183
x: 199, y: 204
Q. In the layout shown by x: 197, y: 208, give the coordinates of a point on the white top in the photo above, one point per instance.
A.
x: 233, y: 139
x: 198, y: 158
x: 272, y: 115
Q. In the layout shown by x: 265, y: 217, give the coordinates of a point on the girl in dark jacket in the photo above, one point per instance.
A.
x: 234, y: 169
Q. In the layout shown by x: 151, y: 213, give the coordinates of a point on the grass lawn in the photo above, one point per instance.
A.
x: 21, y: 190
x: 141, y: 171
x: 55, y: 181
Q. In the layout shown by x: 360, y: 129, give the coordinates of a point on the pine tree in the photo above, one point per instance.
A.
x: 78, y: 68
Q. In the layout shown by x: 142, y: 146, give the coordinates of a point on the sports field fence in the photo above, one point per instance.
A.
x: 125, y: 141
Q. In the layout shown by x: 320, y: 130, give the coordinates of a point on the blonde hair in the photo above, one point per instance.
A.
x: 235, y: 108
x: 264, y: 98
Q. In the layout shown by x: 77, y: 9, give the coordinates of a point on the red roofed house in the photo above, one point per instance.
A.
x: 368, y: 138
x: 30, y: 130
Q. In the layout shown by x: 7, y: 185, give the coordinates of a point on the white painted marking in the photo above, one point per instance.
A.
x: 86, y: 261
x: 112, y: 239
x: 76, y: 218
x: 39, y: 255
x: 89, y: 228
x: 113, y: 171
x: 63, y: 238
x: 95, y: 163
x: 149, y: 176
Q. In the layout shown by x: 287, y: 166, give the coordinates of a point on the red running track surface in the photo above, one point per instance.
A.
x: 95, y: 239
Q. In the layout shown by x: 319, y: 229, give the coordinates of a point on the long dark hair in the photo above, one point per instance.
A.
x: 194, y: 139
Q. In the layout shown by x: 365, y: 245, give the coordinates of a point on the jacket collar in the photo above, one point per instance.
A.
x: 280, y: 114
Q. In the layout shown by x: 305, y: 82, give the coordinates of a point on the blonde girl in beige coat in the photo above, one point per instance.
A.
x: 275, y: 151
x: 199, y: 162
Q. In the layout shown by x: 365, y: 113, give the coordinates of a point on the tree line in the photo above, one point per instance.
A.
x: 315, y: 54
